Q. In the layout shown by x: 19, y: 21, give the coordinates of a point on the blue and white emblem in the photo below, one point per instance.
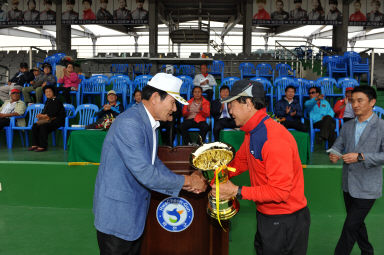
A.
x: 174, y: 214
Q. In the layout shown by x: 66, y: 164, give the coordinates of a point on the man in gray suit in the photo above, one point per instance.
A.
x: 361, y: 143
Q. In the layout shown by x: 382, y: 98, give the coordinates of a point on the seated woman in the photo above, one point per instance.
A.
x: 195, y: 115
x: 70, y: 80
x: 51, y: 118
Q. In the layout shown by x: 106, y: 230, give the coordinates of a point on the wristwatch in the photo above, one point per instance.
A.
x: 360, y: 157
x: 238, y: 195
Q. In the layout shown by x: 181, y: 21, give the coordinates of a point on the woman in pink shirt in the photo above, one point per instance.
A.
x: 70, y: 80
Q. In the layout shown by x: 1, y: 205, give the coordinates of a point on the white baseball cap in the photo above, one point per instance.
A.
x: 168, y: 83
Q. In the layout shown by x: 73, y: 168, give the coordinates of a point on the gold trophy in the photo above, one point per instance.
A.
x: 211, y: 159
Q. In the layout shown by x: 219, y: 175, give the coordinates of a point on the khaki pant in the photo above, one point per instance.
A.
x: 27, y: 95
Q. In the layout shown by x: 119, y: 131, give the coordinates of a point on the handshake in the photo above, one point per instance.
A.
x: 195, y: 183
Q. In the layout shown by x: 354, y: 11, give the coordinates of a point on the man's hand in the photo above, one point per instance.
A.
x: 333, y: 158
x: 44, y: 84
x: 195, y: 183
x: 107, y: 107
x: 2, y: 115
x: 320, y: 97
x: 287, y: 109
x: 350, y: 158
x: 227, y: 190
x: 293, y: 113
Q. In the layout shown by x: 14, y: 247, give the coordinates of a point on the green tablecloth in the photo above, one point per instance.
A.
x: 85, y: 145
x: 235, y: 138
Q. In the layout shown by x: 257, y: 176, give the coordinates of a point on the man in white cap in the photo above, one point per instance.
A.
x: 130, y: 169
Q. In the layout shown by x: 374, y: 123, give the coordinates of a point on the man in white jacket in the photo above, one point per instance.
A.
x: 206, y: 81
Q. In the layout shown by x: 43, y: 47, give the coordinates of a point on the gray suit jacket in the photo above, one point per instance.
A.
x: 126, y: 176
x: 363, y: 179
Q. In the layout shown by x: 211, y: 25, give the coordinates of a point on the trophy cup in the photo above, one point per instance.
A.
x: 211, y: 159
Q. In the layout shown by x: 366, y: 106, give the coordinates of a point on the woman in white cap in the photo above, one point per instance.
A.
x: 130, y: 169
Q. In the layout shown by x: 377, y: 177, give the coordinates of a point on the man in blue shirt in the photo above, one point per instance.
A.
x: 361, y: 147
x: 130, y: 168
x: 288, y: 109
x: 321, y: 113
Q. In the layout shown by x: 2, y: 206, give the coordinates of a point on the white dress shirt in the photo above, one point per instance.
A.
x: 154, y: 124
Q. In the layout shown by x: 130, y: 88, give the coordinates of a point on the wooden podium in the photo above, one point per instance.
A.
x: 203, y: 236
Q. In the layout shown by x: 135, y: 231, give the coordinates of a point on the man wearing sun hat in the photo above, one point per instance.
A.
x: 269, y: 152
x: 11, y: 108
x: 130, y: 169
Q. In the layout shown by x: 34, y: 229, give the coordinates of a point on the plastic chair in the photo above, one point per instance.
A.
x: 31, y: 111
x: 247, y: 70
x: 186, y: 70
x: 358, y: 66
x: 285, y: 70
x: 327, y: 86
x: 69, y: 111
x: 86, y: 114
x: 281, y: 83
x: 140, y: 69
x: 94, y: 86
x: 140, y: 81
x: 337, y: 65
x: 268, y: 88
x: 229, y: 81
x: 346, y: 82
x: 186, y: 87
x: 266, y: 71
x: 119, y: 69
x: 122, y: 85
x: 379, y: 111
x: 302, y: 89
x: 217, y: 68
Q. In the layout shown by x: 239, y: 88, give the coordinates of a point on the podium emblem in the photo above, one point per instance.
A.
x: 174, y: 214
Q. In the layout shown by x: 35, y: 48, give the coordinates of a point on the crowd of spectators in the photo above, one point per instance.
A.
x: 201, y: 106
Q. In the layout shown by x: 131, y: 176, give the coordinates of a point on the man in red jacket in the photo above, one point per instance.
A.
x: 270, y: 154
x: 195, y: 115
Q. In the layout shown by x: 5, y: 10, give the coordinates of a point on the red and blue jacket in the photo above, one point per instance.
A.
x: 269, y: 152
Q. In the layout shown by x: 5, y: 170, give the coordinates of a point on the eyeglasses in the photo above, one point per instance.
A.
x: 313, y: 92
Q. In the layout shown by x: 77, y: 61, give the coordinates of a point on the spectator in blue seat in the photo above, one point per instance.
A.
x: 206, y: 81
x: 221, y: 114
x: 11, y: 108
x: 111, y: 109
x: 51, y: 118
x: 321, y: 113
x: 289, y: 110
x: 195, y: 115
x: 45, y: 78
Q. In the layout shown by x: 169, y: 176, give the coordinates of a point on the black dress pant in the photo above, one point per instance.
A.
x: 354, y: 229
x: 66, y: 93
x: 285, y: 234
x: 112, y: 245
x: 167, y: 131
x: 209, y: 93
x: 40, y: 133
x: 295, y: 125
x: 190, y: 123
x: 4, y: 122
x: 327, y: 129
x: 220, y: 124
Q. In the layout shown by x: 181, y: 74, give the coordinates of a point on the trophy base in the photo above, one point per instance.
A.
x: 227, y: 208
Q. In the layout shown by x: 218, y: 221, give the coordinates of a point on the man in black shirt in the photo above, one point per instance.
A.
x: 17, y: 81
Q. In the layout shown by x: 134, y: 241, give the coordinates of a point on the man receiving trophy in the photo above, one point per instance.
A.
x: 270, y: 154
